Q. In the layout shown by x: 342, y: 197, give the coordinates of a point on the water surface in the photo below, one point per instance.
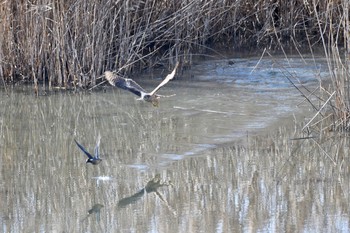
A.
x: 191, y: 165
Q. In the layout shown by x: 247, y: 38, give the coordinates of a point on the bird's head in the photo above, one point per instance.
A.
x: 93, y: 161
x: 89, y: 161
x: 110, y: 77
x: 108, y: 74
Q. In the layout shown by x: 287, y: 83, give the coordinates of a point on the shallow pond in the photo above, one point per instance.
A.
x: 193, y: 164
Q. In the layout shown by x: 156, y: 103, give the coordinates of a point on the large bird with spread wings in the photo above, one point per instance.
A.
x: 132, y: 86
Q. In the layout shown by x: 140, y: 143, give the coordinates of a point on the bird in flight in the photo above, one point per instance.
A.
x: 132, y: 86
x: 92, y: 159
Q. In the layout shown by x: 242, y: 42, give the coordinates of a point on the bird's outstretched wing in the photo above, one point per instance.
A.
x: 133, y: 87
x: 84, y: 150
x: 97, y: 154
x: 166, y: 80
x: 124, y: 83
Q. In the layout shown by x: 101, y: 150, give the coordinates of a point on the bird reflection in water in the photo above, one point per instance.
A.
x: 151, y: 187
x: 95, y: 209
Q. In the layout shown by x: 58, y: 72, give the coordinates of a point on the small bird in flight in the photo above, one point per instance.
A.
x: 132, y: 86
x: 92, y: 159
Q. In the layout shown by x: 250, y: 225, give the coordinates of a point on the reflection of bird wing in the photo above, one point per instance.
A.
x: 84, y: 150
x: 95, y: 209
x: 132, y: 199
x: 124, y: 83
x: 97, y: 154
x: 166, y: 80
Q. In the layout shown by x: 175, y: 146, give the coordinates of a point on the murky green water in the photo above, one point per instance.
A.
x: 191, y: 165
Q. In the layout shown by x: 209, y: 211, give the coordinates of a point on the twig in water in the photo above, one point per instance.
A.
x: 261, y: 57
x: 302, y: 138
x: 99, y: 83
x: 3, y: 80
x: 324, y: 151
x: 318, y: 111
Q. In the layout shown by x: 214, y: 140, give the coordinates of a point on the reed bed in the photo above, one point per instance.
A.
x: 70, y: 43
x: 331, y: 100
x: 60, y: 43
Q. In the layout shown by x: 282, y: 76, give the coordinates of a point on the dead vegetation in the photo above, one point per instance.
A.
x: 58, y: 42
x: 331, y: 99
x: 72, y: 42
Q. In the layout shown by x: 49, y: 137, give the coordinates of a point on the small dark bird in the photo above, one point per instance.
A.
x: 132, y: 86
x: 92, y: 159
x: 231, y: 63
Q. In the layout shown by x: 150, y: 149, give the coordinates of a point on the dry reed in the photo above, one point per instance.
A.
x: 334, y: 36
x: 63, y: 42
x: 72, y: 42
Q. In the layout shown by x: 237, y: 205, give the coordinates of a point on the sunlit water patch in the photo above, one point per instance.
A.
x: 264, y: 74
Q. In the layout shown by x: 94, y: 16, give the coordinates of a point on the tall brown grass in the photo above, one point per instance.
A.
x: 332, y: 30
x: 69, y: 42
